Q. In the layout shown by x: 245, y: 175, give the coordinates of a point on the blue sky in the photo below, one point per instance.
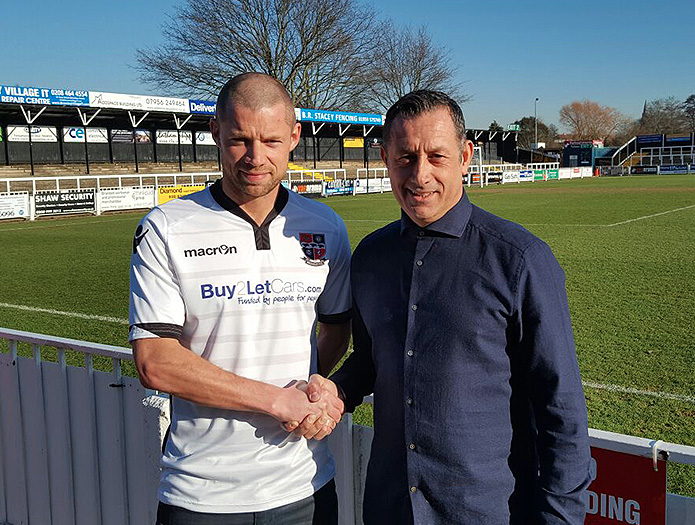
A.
x: 509, y: 52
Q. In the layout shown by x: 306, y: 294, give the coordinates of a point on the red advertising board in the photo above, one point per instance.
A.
x: 625, y: 489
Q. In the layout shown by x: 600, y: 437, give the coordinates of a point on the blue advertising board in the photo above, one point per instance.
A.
x: 340, y: 117
x: 674, y: 169
x: 202, y: 107
x: 339, y: 187
x: 43, y: 96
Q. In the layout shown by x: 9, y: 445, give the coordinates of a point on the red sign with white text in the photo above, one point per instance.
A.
x: 625, y: 489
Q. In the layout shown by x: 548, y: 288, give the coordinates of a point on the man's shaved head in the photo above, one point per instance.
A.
x: 253, y: 91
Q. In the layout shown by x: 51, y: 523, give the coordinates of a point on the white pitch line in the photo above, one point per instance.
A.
x: 78, y: 315
x: 629, y: 390
x: 60, y: 224
x: 650, y: 216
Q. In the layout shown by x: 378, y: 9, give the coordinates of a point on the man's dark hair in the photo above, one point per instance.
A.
x: 421, y: 101
x: 254, y: 91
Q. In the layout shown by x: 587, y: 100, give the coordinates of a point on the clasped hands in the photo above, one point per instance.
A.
x: 320, y: 410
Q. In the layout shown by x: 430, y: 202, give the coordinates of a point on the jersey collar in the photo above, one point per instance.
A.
x: 261, y: 233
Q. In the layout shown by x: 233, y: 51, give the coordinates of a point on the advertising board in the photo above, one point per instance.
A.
x: 553, y: 174
x: 204, y: 138
x: 625, y: 489
x: 57, y: 202
x: 98, y: 99
x: 94, y: 135
x: 673, y: 169
x: 202, y: 107
x: 644, y: 170
x: 129, y: 198
x: 43, y: 96
x: 525, y: 175
x: 38, y: 134
x: 170, y: 136
x: 14, y: 206
x: 494, y: 177
x: 340, y: 117
x: 539, y: 175
x: 339, y: 187
x: 565, y: 173
x: 122, y: 135
x: 307, y: 187
x: 167, y: 193
x: 510, y: 176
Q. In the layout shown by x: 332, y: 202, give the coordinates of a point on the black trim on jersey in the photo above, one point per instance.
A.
x: 173, y: 331
x: 340, y: 318
x: 261, y: 233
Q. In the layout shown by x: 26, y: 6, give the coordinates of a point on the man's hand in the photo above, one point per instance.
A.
x: 323, y: 392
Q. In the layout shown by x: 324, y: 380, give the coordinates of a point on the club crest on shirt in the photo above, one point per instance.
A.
x: 314, y: 247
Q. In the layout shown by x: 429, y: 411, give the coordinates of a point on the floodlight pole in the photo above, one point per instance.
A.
x: 535, y: 125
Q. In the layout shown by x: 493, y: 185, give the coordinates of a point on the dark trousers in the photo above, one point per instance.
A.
x: 319, y: 509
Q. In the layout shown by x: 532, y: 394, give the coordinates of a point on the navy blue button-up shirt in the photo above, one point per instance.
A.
x: 462, y: 331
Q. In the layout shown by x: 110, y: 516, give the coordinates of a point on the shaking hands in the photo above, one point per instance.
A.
x: 323, y: 407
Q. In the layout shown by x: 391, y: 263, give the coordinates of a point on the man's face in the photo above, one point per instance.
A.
x: 426, y: 163
x: 255, y: 147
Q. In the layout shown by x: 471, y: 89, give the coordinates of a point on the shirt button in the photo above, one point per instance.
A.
x: 420, y: 233
x: 418, y: 262
x: 413, y: 489
x: 411, y: 446
x: 409, y: 401
x: 410, y: 353
x: 414, y: 307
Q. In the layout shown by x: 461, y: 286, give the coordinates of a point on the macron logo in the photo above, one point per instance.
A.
x: 223, y: 249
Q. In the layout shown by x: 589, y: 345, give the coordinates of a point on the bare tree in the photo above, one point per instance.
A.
x: 689, y: 111
x: 408, y: 60
x: 316, y: 48
x: 663, y: 115
x: 588, y: 120
x: 527, y: 132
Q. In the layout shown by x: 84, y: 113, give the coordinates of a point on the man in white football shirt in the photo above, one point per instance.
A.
x: 227, y: 288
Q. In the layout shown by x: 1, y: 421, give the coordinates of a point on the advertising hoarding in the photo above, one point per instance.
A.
x: 202, y: 107
x: 98, y: 99
x: 204, y: 138
x: 129, y: 198
x: 353, y: 142
x: 94, y: 135
x: 122, y: 135
x: 625, y: 489
x: 170, y: 136
x: 644, y: 170
x: 525, y: 175
x: 43, y: 96
x: 539, y: 175
x: 167, y: 193
x: 339, y: 187
x: 38, y: 134
x: 307, y: 187
x: 58, y: 202
x: 14, y: 206
x: 510, y: 176
x: 553, y: 174
x: 673, y: 169
x: 339, y: 117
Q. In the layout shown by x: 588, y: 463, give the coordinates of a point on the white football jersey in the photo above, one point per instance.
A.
x: 247, y: 299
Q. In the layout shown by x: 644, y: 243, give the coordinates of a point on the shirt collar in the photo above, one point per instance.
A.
x: 452, y: 224
x: 228, y: 204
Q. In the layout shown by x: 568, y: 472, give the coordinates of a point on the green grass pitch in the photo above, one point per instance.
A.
x: 627, y: 246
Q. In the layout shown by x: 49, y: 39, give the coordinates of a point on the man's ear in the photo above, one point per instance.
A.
x: 295, y: 135
x: 215, y: 129
x: 382, y: 151
x: 466, y: 155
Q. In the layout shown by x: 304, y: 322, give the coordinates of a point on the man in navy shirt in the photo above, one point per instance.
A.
x: 462, y: 331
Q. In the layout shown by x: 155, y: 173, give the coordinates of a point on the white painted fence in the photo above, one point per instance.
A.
x: 81, y: 447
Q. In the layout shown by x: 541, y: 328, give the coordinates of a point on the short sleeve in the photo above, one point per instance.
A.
x: 156, y: 305
x: 335, y: 301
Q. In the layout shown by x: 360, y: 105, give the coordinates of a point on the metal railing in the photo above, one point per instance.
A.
x: 95, y: 181
x: 82, y: 446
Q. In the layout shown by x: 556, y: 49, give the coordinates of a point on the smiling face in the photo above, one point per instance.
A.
x: 255, y: 147
x: 426, y: 163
